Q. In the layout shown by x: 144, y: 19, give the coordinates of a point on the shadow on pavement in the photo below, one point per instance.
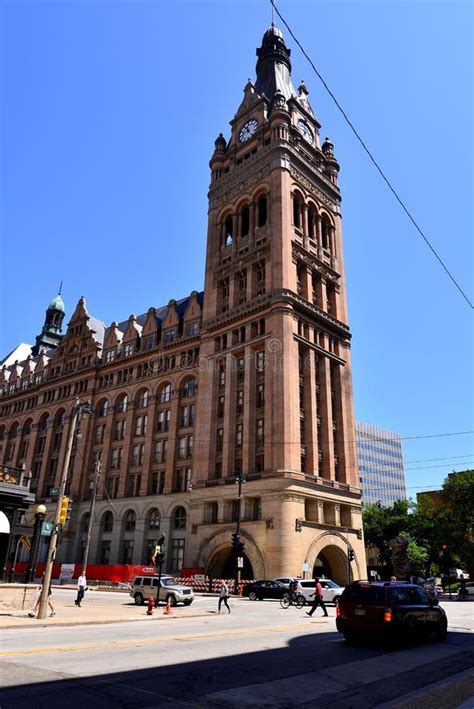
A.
x: 186, y: 684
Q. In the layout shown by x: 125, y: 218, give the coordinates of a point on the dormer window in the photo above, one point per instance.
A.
x: 170, y: 335
x: 192, y: 329
x: 148, y: 342
x: 110, y: 355
x: 129, y: 349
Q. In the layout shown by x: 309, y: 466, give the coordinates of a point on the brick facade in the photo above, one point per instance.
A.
x: 250, y: 377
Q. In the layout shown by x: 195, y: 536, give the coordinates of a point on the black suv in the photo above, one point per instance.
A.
x: 395, y: 608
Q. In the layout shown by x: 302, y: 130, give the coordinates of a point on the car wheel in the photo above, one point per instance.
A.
x: 171, y: 600
x: 442, y: 630
x: 187, y: 603
x: 252, y: 596
x: 336, y: 600
x: 139, y: 600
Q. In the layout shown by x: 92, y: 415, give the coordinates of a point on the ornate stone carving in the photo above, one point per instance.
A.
x: 293, y: 497
x: 309, y: 260
x: 309, y: 185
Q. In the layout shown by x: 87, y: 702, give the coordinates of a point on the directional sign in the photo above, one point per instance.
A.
x: 54, y: 491
x: 46, y: 529
x: 240, y: 562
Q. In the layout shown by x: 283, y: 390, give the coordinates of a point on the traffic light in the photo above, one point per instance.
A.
x: 235, y: 541
x: 240, y: 548
x: 64, y: 513
x: 159, y: 553
x: 350, y: 554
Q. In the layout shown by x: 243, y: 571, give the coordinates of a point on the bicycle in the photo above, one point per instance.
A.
x: 288, y: 600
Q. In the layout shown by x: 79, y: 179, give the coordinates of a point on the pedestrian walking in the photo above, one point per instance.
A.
x: 318, y: 599
x: 81, y: 588
x: 223, y: 596
x: 32, y: 613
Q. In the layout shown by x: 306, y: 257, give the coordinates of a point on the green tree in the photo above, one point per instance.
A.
x: 458, y: 496
x: 381, y: 524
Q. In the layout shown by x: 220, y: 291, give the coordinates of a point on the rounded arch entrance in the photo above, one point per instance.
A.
x: 222, y: 566
x: 215, y: 558
x: 327, y: 557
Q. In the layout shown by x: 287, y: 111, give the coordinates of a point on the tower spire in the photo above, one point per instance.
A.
x: 273, y: 65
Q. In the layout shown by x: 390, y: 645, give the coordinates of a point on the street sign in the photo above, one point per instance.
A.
x: 46, y: 529
x: 54, y: 491
x: 240, y: 562
x: 305, y: 566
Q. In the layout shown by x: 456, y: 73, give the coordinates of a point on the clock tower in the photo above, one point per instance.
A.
x: 275, y: 401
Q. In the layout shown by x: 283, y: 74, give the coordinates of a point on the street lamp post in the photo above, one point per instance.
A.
x: 40, y: 514
x: 79, y: 411
x: 237, y: 544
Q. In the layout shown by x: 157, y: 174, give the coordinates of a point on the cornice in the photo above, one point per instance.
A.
x: 241, y: 311
x: 312, y: 261
x: 288, y: 296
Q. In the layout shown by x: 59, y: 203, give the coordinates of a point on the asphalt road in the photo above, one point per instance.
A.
x: 259, y: 655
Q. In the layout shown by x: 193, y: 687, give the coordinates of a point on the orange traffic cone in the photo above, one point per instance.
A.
x: 167, y: 609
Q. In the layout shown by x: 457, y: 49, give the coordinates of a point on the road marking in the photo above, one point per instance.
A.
x: 158, y: 640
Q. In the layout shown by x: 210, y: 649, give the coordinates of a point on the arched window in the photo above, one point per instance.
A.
x: 262, y: 211
x: 143, y: 399
x: 244, y: 221
x: 190, y: 387
x: 297, y: 211
x: 130, y: 521
x: 154, y: 519
x: 107, y: 522
x: 179, y: 518
x: 102, y: 408
x: 13, y: 430
x: 325, y: 232
x: 60, y: 418
x: 27, y: 427
x: 122, y: 403
x: 44, y: 422
x: 312, y: 216
x: 228, y: 231
x: 165, y: 393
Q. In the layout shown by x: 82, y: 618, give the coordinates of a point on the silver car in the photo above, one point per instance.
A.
x: 145, y: 586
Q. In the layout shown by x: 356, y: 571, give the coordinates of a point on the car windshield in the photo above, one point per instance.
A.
x: 331, y: 584
x: 168, y: 581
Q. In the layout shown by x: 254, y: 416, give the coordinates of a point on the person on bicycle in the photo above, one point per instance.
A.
x: 293, y: 588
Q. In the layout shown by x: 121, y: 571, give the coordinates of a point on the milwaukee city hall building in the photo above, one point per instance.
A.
x: 250, y: 378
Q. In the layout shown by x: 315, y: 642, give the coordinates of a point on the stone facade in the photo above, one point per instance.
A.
x: 250, y: 378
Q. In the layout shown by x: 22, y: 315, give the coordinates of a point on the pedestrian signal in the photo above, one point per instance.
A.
x: 63, y: 515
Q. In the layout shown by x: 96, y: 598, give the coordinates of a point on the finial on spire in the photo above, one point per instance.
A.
x: 60, y: 288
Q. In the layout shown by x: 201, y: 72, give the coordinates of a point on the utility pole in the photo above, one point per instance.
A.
x: 85, y: 555
x: 79, y: 410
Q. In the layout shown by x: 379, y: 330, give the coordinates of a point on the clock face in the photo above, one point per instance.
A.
x: 248, y: 130
x: 306, y: 131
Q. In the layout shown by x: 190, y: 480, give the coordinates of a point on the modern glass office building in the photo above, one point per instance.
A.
x: 380, y: 459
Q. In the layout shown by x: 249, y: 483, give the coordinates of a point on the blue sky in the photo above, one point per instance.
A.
x: 109, y: 115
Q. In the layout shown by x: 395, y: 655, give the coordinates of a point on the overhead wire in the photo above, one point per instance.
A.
x: 373, y: 160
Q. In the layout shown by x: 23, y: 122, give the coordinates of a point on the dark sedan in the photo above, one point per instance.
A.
x: 259, y: 590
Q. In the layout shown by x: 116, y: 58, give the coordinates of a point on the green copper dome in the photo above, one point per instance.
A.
x: 57, y: 304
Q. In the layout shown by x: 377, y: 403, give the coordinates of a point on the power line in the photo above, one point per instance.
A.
x: 373, y: 160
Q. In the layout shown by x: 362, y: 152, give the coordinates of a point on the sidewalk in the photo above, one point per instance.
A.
x: 118, y: 611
